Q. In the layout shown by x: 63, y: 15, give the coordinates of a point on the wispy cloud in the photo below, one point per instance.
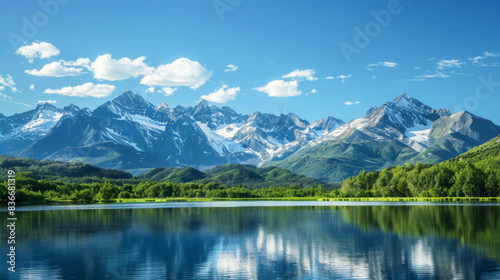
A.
x: 479, y: 60
x: 381, y: 64
x: 85, y: 90
x: 349, y: 103
x: 231, y: 68
x: 341, y: 77
x: 8, y: 81
x: 5, y: 97
x: 449, y: 63
x: 429, y: 76
x: 307, y: 74
x: 61, y: 68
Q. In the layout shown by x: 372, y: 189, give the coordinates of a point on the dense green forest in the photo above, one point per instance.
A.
x: 55, y: 181
x: 473, y: 174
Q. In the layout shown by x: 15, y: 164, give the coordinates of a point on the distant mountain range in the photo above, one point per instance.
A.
x: 129, y: 133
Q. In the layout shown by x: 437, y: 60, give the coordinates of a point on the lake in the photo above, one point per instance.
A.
x: 257, y: 240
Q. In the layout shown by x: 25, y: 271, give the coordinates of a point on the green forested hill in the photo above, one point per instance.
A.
x: 334, y: 160
x: 227, y: 175
x: 232, y: 175
x: 474, y: 173
x: 53, y: 170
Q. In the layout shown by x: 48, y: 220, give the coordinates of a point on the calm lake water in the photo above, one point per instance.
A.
x: 257, y: 240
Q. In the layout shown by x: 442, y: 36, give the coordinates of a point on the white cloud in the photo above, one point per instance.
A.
x: 416, y: 68
x: 55, y: 69
x: 449, y: 63
x: 85, y: 90
x: 314, y: 90
x: 222, y: 95
x: 181, y: 72
x: 150, y: 89
x: 343, y: 77
x: 168, y: 90
x: 2, y: 87
x: 37, y: 50
x: 8, y: 82
x: 478, y: 60
x: 32, y: 87
x: 5, y: 97
x: 231, y: 68
x: 307, y: 74
x: 381, y: 64
x: 430, y: 76
x: 280, y: 88
x: 349, y: 103
x: 47, y: 101
x: 374, y: 77
x: 27, y: 105
x: 80, y: 62
x: 107, y: 68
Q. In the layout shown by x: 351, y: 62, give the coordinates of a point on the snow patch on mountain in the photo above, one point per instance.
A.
x: 147, y: 122
x: 228, y: 131
x: 218, y: 142
x: 111, y: 134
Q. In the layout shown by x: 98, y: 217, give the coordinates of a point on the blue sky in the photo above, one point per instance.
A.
x: 284, y: 56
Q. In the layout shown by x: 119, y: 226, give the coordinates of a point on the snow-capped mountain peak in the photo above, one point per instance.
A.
x: 130, y: 132
x: 405, y: 119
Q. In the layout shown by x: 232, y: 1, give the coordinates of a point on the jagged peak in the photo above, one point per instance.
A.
x: 403, y: 95
x: 328, y: 119
x: 205, y: 103
x: 71, y: 107
x: 45, y: 106
x: 404, y: 100
x: 443, y: 112
x: 129, y: 98
x: 255, y: 116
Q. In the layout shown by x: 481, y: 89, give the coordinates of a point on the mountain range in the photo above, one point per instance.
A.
x: 129, y: 133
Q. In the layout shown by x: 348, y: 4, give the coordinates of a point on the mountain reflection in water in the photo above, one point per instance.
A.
x: 306, y: 242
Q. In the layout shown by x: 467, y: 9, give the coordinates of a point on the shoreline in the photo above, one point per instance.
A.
x: 319, y: 199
